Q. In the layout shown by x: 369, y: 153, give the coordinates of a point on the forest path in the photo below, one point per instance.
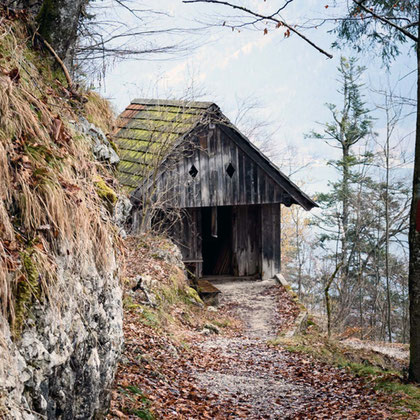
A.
x: 253, y: 304
x: 251, y: 375
x: 269, y: 382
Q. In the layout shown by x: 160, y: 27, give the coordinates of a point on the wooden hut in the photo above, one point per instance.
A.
x: 188, y: 157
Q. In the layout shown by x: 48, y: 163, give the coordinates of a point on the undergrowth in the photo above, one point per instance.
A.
x: 48, y: 201
x: 362, y: 363
x: 178, y: 308
x: 142, y: 410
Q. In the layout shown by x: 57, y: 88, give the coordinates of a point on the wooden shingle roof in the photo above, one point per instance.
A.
x: 148, y: 130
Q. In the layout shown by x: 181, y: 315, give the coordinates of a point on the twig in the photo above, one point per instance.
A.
x: 262, y: 17
x: 387, y: 21
x: 59, y: 61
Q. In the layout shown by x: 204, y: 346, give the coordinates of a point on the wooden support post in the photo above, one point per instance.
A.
x: 214, y: 222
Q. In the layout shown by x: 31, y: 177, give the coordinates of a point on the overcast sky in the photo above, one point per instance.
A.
x: 286, y: 76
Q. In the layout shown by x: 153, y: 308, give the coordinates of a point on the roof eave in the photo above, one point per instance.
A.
x: 295, y: 192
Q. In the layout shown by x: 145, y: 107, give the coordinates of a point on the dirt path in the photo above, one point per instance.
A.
x: 251, y: 302
x: 269, y: 382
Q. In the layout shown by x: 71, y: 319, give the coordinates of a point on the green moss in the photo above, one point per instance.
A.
x: 409, y: 394
x: 28, y: 288
x: 169, y: 295
x: 222, y: 323
x: 193, y: 295
x: 129, y: 303
x: 149, y: 318
x: 114, y: 146
x: 58, y: 74
x: 106, y: 193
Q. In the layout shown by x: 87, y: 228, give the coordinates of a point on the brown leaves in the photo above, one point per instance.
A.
x: 159, y: 376
x: 12, y: 255
x: 13, y: 74
x: 58, y: 132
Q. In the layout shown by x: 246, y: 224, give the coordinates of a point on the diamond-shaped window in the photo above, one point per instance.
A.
x: 193, y: 171
x: 230, y: 170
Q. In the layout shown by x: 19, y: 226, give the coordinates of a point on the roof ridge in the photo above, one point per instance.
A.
x: 174, y: 102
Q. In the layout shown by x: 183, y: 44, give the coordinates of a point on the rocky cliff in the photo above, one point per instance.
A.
x: 60, y: 297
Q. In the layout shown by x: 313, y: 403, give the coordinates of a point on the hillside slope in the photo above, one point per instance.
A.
x: 61, y: 311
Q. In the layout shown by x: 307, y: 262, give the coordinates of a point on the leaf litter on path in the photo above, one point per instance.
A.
x: 236, y: 375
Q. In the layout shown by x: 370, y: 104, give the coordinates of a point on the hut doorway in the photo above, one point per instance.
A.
x: 217, y: 240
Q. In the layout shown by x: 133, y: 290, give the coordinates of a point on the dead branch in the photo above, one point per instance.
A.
x: 271, y: 17
x: 58, y: 59
x: 387, y: 21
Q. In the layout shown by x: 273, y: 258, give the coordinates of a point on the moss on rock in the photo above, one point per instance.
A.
x: 106, y: 193
x: 27, y: 288
x: 193, y: 295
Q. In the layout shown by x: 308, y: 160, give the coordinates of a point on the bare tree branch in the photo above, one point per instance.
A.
x: 280, y: 22
x: 387, y: 21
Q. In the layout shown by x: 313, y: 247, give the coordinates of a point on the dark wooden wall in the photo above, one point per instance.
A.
x: 198, y: 178
x: 186, y: 233
x: 271, y: 240
x: 246, y: 225
x: 211, y: 155
x: 256, y: 239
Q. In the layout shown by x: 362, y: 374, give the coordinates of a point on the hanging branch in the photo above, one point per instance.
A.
x: 388, y: 22
x: 271, y: 18
x: 59, y: 61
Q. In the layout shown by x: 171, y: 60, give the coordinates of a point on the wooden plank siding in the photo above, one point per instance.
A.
x: 212, y: 186
x: 187, y: 234
x: 246, y: 243
x: 249, y: 224
x: 271, y: 240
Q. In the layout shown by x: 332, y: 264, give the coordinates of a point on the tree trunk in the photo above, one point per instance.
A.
x: 58, y: 22
x: 345, y: 200
x: 328, y: 299
x: 388, y: 291
x: 414, y: 240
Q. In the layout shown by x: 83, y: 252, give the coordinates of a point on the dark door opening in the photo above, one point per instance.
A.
x: 217, y: 251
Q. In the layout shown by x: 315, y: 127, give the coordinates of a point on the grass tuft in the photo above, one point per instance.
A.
x: 367, y: 364
x: 48, y: 198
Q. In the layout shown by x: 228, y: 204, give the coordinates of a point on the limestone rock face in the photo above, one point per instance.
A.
x: 63, y: 364
x: 101, y: 146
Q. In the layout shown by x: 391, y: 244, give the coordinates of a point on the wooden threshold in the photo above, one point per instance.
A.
x: 205, y: 287
x: 227, y: 279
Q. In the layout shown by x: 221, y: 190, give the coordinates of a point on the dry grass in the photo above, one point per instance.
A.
x: 99, y: 112
x: 48, y: 201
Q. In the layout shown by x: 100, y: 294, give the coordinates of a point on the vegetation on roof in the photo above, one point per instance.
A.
x: 148, y: 131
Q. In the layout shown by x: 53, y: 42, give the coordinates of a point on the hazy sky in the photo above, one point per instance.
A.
x: 286, y: 76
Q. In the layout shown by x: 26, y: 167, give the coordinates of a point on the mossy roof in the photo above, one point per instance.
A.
x: 148, y: 130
